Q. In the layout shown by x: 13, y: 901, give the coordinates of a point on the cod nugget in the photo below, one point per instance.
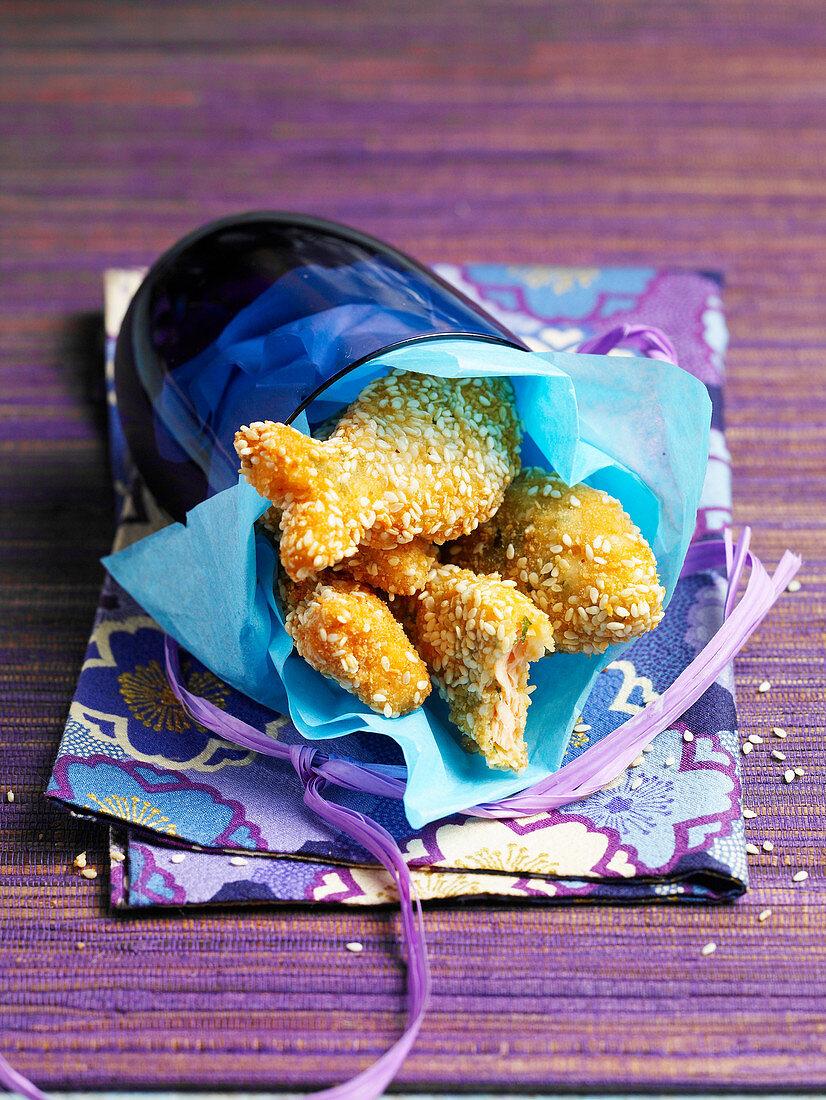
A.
x: 577, y: 554
x: 413, y: 456
x: 478, y: 635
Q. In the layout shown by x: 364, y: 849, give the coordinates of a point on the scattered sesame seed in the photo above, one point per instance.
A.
x: 767, y: 846
x: 10, y: 796
x: 179, y: 857
x: 755, y: 739
x: 746, y: 748
x: 709, y: 948
x: 636, y: 784
x: 799, y: 771
x: 789, y: 776
x: 793, y: 586
x: 635, y: 763
x: 800, y: 876
x: 778, y: 755
x: 752, y: 849
x: 764, y: 914
x: 778, y: 731
x: 763, y: 687
x: 648, y: 748
x: 581, y: 727
x: 116, y: 855
x: 239, y: 861
x: 354, y: 946
x: 79, y: 861
x: 688, y: 736
x: 80, y: 944
x: 669, y: 762
x: 89, y: 872
x: 747, y: 813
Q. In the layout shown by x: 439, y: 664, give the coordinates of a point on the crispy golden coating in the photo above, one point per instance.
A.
x: 400, y: 571
x: 413, y: 456
x: 478, y: 635
x: 578, y: 556
x: 348, y: 633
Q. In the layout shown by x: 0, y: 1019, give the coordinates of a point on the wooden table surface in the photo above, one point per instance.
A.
x: 685, y: 133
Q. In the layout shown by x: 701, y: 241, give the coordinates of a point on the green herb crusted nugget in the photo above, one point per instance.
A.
x: 478, y: 635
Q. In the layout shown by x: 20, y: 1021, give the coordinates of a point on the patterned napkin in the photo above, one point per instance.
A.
x: 195, y: 819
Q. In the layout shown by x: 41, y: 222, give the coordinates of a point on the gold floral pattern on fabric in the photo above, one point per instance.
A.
x: 149, y: 697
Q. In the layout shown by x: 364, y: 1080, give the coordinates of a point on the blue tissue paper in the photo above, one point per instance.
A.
x: 637, y: 428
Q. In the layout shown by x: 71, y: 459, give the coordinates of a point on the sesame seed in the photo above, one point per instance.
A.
x: 239, y: 861
x: 80, y: 944
x: 793, y: 586
x: 767, y: 846
x: 752, y: 849
x: 799, y: 771
x: 746, y: 748
x: 10, y: 796
x: 778, y: 731
x: 688, y: 736
x: 575, y: 501
x: 789, y: 776
x: 709, y: 948
x: 581, y: 727
x: 89, y: 872
x: 764, y: 914
x: 755, y: 739
x: 800, y: 876
x: 778, y: 755
x: 749, y: 814
x: 669, y: 762
x: 116, y: 855
x: 79, y: 861
x: 648, y: 748
x: 179, y: 857
x: 763, y: 687
x: 567, y: 540
x: 354, y: 946
x: 636, y: 784
x: 388, y: 711
x: 635, y: 763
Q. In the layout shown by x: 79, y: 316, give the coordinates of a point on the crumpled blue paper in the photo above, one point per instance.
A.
x: 636, y: 427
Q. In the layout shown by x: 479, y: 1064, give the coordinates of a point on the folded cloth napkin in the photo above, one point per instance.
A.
x: 195, y: 819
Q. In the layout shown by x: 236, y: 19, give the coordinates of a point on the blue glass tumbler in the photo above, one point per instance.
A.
x: 251, y: 318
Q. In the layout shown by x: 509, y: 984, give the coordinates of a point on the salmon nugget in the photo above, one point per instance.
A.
x: 413, y: 456
x: 478, y: 635
x: 577, y: 554
x: 345, y: 631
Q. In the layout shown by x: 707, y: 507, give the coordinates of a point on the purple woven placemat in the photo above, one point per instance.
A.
x: 590, y: 133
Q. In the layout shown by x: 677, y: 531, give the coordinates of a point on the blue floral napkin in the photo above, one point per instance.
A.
x: 195, y: 819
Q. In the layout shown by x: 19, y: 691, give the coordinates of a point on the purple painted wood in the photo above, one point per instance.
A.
x: 685, y: 134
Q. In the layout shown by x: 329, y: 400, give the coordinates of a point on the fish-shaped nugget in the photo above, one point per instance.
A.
x: 478, y: 635
x: 577, y: 554
x: 413, y: 456
x: 343, y: 629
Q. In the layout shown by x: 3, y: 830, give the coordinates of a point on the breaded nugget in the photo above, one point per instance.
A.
x: 400, y: 571
x: 577, y: 554
x: 477, y: 635
x: 343, y: 629
x: 413, y: 456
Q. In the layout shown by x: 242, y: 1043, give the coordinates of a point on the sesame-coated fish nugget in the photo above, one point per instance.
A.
x: 400, y: 571
x: 348, y: 633
x: 414, y: 455
x: 577, y: 554
x: 477, y: 635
